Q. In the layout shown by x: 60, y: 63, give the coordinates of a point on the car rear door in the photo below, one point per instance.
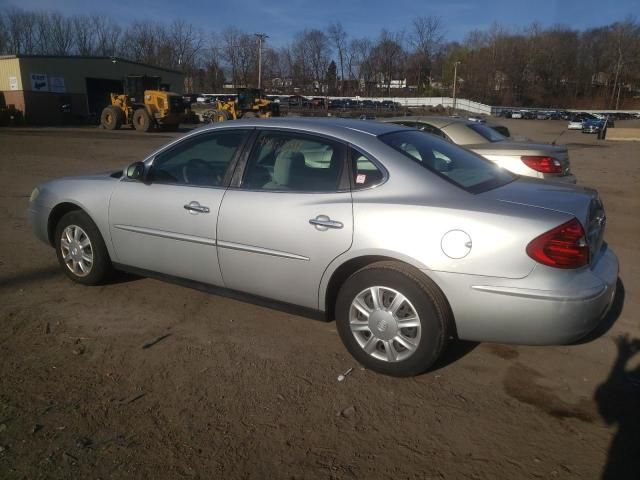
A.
x: 287, y: 218
x: 167, y: 223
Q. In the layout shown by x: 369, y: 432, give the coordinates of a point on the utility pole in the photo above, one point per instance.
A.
x: 261, y: 38
x: 455, y: 79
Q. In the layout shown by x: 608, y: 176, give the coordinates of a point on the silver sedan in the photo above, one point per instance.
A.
x: 539, y: 160
x: 406, y: 240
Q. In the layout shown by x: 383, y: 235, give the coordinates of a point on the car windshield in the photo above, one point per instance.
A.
x: 456, y: 165
x: 487, y: 132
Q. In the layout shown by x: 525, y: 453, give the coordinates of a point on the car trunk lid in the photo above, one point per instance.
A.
x: 518, y: 149
x: 581, y: 202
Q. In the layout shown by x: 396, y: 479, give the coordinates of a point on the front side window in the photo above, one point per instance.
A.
x: 456, y: 165
x: 294, y: 162
x: 200, y: 161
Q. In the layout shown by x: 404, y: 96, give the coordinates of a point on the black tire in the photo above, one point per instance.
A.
x: 425, y: 297
x: 142, y: 120
x: 111, y: 118
x: 101, y: 268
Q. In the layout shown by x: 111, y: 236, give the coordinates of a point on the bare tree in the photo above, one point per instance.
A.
x: 426, y: 37
x: 108, y: 35
x: 338, y: 37
x: 316, y: 46
x: 186, y: 42
x: 3, y: 35
x: 84, y: 35
x: 361, y: 62
x: 388, y: 57
x: 59, y: 34
x: 21, y: 31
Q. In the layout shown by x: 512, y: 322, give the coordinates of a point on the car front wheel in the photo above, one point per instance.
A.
x: 80, y: 248
x: 393, y: 319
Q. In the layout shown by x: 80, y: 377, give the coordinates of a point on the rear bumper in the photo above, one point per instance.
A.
x: 548, y: 307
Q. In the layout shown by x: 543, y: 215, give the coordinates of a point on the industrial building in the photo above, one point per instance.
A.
x: 57, y: 90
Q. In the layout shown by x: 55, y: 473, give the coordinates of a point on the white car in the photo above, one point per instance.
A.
x: 575, y: 125
x: 516, y: 114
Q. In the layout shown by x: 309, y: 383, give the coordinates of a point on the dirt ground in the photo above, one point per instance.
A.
x: 240, y: 391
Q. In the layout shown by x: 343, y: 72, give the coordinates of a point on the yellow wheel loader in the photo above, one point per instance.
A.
x: 144, y: 106
x: 250, y: 103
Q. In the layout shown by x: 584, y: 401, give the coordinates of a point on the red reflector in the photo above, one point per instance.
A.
x: 542, y: 164
x: 563, y: 247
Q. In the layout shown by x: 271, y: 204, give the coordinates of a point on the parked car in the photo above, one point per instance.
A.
x: 592, y: 125
x: 318, y: 102
x: 516, y: 114
x: 405, y: 239
x: 337, y: 103
x: 540, y: 160
x: 575, y: 123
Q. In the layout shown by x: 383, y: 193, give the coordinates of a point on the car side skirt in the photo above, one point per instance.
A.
x: 228, y: 293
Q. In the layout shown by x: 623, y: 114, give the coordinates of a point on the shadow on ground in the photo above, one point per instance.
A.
x: 21, y: 279
x: 618, y: 400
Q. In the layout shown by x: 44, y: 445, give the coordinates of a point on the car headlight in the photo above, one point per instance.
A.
x: 34, y: 195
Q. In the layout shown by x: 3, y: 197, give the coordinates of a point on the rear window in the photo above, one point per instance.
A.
x: 487, y: 132
x: 456, y: 165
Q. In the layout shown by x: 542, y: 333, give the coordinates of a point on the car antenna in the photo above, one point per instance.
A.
x: 558, y: 137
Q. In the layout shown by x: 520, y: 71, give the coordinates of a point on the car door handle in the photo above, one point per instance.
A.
x: 195, y: 207
x: 322, y: 222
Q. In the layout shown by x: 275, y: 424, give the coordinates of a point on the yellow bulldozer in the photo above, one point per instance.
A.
x: 144, y: 105
x: 249, y: 103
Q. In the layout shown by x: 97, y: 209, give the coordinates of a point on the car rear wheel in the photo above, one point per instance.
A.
x: 393, y: 319
x: 81, y: 251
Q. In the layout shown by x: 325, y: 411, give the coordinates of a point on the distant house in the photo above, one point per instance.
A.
x: 600, y: 78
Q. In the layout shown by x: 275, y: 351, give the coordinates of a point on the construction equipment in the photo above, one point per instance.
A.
x: 249, y: 103
x: 144, y: 105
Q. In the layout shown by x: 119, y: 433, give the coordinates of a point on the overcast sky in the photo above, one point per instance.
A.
x: 280, y: 19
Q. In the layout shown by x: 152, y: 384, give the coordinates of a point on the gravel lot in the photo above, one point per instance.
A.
x: 240, y: 391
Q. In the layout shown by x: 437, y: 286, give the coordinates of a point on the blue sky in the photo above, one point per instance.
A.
x: 280, y: 19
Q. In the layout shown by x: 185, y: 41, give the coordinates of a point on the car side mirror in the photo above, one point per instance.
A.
x: 135, y: 171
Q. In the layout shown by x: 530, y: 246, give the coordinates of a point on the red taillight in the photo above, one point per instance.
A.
x: 563, y: 247
x: 542, y: 164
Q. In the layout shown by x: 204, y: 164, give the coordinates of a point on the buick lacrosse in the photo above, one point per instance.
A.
x: 405, y: 239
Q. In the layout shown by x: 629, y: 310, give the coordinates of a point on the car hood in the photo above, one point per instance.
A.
x: 580, y: 202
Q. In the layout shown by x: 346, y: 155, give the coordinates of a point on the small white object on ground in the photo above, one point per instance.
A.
x: 342, y: 376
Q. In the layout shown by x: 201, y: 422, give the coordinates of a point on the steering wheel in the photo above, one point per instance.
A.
x: 194, y: 163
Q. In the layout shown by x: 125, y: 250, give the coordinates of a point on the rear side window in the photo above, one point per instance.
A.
x: 294, y: 162
x: 365, y: 173
x: 456, y: 165
x: 487, y: 132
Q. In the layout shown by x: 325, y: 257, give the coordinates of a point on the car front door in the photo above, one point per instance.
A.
x: 287, y: 218
x: 167, y: 223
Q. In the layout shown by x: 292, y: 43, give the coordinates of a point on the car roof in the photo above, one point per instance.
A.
x: 322, y: 125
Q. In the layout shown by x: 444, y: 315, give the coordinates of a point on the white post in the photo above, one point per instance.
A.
x: 261, y: 37
x: 455, y: 79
